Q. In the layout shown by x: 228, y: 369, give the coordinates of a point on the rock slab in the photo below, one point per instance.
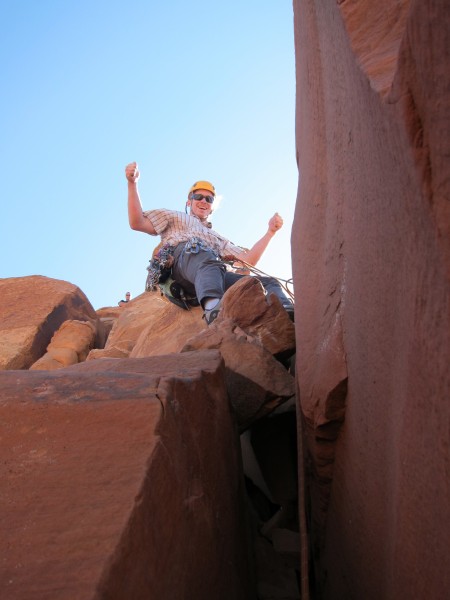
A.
x: 121, y: 479
x: 149, y: 325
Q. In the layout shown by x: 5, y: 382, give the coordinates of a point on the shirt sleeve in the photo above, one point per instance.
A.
x: 227, y: 249
x: 159, y: 218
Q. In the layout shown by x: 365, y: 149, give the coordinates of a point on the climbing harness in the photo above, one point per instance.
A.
x: 160, y: 273
x: 194, y: 245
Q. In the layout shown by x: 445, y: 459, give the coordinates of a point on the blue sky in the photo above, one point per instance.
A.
x: 190, y: 90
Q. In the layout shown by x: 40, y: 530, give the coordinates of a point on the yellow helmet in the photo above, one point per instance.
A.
x: 203, y: 185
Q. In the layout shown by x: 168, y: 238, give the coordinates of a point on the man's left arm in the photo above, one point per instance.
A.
x: 253, y: 255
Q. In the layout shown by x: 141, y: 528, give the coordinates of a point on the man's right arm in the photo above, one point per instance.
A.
x: 135, y: 216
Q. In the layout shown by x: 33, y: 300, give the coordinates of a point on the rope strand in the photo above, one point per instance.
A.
x: 283, y: 282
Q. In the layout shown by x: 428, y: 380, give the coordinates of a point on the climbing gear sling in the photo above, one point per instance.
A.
x: 160, y: 275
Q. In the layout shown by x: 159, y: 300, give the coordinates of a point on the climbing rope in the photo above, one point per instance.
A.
x: 285, y: 283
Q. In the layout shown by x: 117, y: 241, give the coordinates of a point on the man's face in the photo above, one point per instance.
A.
x: 201, y: 208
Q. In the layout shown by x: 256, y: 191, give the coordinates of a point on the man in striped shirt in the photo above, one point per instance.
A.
x: 199, y: 251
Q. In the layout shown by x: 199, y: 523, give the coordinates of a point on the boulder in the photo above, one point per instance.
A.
x: 259, y: 315
x: 32, y: 309
x: 70, y: 345
x: 108, y: 312
x: 256, y: 382
x: 122, y: 479
x: 150, y: 325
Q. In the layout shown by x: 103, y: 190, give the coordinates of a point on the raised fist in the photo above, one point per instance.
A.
x: 275, y: 223
x: 132, y: 172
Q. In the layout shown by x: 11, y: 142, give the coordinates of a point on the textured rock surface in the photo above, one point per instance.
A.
x: 256, y: 382
x: 261, y: 316
x: 121, y: 479
x: 107, y: 317
x: 146, y: 327
x: 375, y: 31
x: 32, y: 309
x: 371, y: 258
x: 109, y: 312
x: 69, y: 345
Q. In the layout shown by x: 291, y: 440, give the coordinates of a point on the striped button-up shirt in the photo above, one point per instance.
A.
x: 175, y: 227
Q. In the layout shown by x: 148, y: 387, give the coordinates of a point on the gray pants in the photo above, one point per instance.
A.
x: 204, y: 275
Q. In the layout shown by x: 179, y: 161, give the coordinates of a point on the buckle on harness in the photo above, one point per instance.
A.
x: 193, y: 246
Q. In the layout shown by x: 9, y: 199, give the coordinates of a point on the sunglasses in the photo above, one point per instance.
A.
x: 209, y: 199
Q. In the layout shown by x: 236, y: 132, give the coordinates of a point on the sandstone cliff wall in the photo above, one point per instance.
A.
x: 371, y: 260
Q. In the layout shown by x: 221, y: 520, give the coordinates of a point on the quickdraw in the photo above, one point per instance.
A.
x: 194, y: 245
x: 160, y: 267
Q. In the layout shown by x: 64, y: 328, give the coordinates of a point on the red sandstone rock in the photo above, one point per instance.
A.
x: 256, y: 382
x: 107, y: 353
x: 150, y: 325
x: 32, y: 309
x: 375, y: 31
x: 258, y: 315
x: 109, y: 312
x: 371, y: 248
x: 116, y: 485
x: 107, y: 317
x: 69, y: 345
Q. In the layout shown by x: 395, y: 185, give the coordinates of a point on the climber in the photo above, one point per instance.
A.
x: 127, y: 299
x: 194, y: 251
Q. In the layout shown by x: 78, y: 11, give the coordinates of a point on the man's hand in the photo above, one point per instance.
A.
x: 132, y: 172
x: 253, y: 255
x: 275, y: 223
